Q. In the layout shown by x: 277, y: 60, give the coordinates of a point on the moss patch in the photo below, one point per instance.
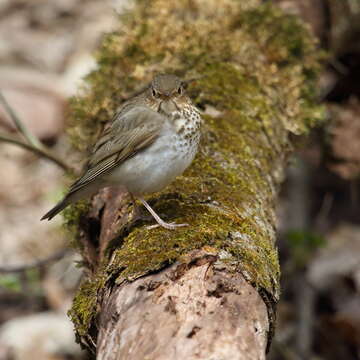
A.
x: 256, y: 69
x: 85, y: 305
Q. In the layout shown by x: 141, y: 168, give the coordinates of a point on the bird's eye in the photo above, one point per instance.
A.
x: 180, y: 90
x: 155, y: 94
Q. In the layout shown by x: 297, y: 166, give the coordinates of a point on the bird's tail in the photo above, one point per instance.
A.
x: 77, y: 192
x: 56, y: 209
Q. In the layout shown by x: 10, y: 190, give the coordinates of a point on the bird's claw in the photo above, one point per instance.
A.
x: 169, y: 226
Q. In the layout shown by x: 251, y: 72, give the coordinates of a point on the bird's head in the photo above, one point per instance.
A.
x: 167, y: 93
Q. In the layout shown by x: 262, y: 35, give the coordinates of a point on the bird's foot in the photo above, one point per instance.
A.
x: 169, y: 226
x: 160, y: 222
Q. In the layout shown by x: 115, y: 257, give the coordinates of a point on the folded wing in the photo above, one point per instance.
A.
x: 130, y: 132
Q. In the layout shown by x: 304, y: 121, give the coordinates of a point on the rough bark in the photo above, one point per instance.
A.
x: 193, y: 311
x: 207, y: 291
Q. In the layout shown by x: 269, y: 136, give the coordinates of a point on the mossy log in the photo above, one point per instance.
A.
x: 208, y: 290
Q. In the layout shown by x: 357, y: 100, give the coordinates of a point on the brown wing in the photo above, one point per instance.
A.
x: 130, y: 132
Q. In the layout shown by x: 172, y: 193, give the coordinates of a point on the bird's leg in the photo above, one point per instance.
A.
x: 161, y: 222
x: 138, y: 215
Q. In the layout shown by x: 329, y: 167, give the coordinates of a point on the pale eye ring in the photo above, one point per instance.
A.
x: 155, y: 94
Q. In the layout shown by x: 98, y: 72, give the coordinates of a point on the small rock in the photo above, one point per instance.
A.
x: 43, y: 335
x: 339, y: 258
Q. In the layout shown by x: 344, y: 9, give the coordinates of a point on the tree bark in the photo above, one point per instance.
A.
x: 207, y: 291
x: 197, y: 310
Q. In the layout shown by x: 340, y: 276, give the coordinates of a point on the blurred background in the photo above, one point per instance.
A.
x: 46, y: 47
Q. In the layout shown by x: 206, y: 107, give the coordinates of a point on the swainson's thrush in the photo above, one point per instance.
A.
x: 151, y: 140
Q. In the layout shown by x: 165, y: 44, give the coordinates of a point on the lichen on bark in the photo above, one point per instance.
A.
x: 255, y: 69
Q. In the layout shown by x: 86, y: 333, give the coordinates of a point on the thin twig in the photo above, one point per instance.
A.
x: 37, y: 263
x: 33, y: 144
x: 19, y: 124
x: 41, y: 152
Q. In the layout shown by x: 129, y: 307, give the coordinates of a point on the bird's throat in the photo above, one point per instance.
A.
x: 168, y: 107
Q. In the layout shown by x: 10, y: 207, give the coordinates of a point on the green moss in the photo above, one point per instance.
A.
x: 72, y: 216
x: 84, y: 305
x: 146, y: 250
x: 288, y: 39
x: 256, y: 67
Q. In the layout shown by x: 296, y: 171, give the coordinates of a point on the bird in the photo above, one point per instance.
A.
x: 152, y: 138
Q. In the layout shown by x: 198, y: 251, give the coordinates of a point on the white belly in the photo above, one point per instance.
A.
x: 155, y: 167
